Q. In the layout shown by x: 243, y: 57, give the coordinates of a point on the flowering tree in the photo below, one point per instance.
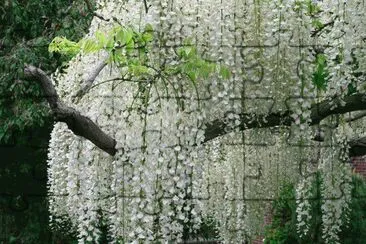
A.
x: 172, y: 112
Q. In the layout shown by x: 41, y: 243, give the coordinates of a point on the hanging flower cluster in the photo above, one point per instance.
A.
x: 172, y: 67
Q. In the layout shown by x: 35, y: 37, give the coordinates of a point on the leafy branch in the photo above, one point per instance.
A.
x: 129, y: 50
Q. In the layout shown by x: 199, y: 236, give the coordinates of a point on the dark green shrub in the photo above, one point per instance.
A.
x: 283, y: 227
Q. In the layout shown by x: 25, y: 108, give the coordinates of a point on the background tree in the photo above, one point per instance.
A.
x: 26, y: 29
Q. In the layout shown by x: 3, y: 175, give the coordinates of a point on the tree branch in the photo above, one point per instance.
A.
x: 89, y: 81
x: 85, y: 127
x: 326, y: 108
x: 356, y: 117
x: 320, y: 29
x: 91, y: 10
x: 357, y: 147
x: 219, y: 127
x: 77, y: 123
x: 319, y: 111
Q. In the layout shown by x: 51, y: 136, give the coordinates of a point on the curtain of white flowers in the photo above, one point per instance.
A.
x: 164, y: 180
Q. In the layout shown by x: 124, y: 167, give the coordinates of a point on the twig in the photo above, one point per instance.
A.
x: 146, y: 7
x: 315, y: 32
x: 89, y: 81
x: 90, y: 8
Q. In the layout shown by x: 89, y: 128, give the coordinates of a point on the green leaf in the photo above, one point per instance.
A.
x: 186, y: 52
x: 148, y: 28
x: 102, y: 39
x: 64, y: 46
x: 317, y: 24
x: 119, y: 35
x: 89, y: 45
x: 130, y: 45
x: 320, y: 75
x: 110, y: 43
x: 118, y: 58
x: 128, y: 36
x: 192, y: 76
x: 138, y: 70
x: 147, y: 35
x: 225, y: 72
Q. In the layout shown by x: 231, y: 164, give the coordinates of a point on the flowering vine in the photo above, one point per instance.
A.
x: 206, y: 107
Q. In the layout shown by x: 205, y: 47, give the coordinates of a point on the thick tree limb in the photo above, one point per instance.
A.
x: 85, y: 127
x: 348, y: 104
x: 220, y: 127
x: 319, y: 112
x: 79, y: 124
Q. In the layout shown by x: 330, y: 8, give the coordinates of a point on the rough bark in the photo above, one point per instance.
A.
x: 79, y: 124
x: 319, y: 112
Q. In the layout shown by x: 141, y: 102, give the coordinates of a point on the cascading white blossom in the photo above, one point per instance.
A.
x: 163, y: 179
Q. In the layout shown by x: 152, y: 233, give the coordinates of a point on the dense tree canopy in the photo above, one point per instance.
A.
x: 172, y: 112
x: 26, y: 29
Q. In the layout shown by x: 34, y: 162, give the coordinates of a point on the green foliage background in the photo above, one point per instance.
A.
x: 26, y: 29
x: 282, y: 230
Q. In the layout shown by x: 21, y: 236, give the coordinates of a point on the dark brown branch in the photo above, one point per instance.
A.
x: 356, y: 117
x: 76, y: 122
x: 45, y: 82
x: 83, y: 126
x: 220, y: 127
x: 324, y: 109
x: 357, y: 147
x: 320, y: 29
x: 319, y: 112
x: 146, y: 7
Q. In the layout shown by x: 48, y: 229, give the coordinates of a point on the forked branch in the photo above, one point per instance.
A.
x: 79, y: 124
x: 87, y: 84
x: 85, y: 127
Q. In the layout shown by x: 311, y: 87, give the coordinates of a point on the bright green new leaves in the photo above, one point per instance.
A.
x: 69, y: 48
x: 129, y: 49
x: 126, y: 47
x: 317, y: 24
x: 117, y: 38
x: 309, y: 6
x: 121, y: 37
x: 63, y: 46
x: 225, y: 72
x: 192, y: 65
x: 312, y: 7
